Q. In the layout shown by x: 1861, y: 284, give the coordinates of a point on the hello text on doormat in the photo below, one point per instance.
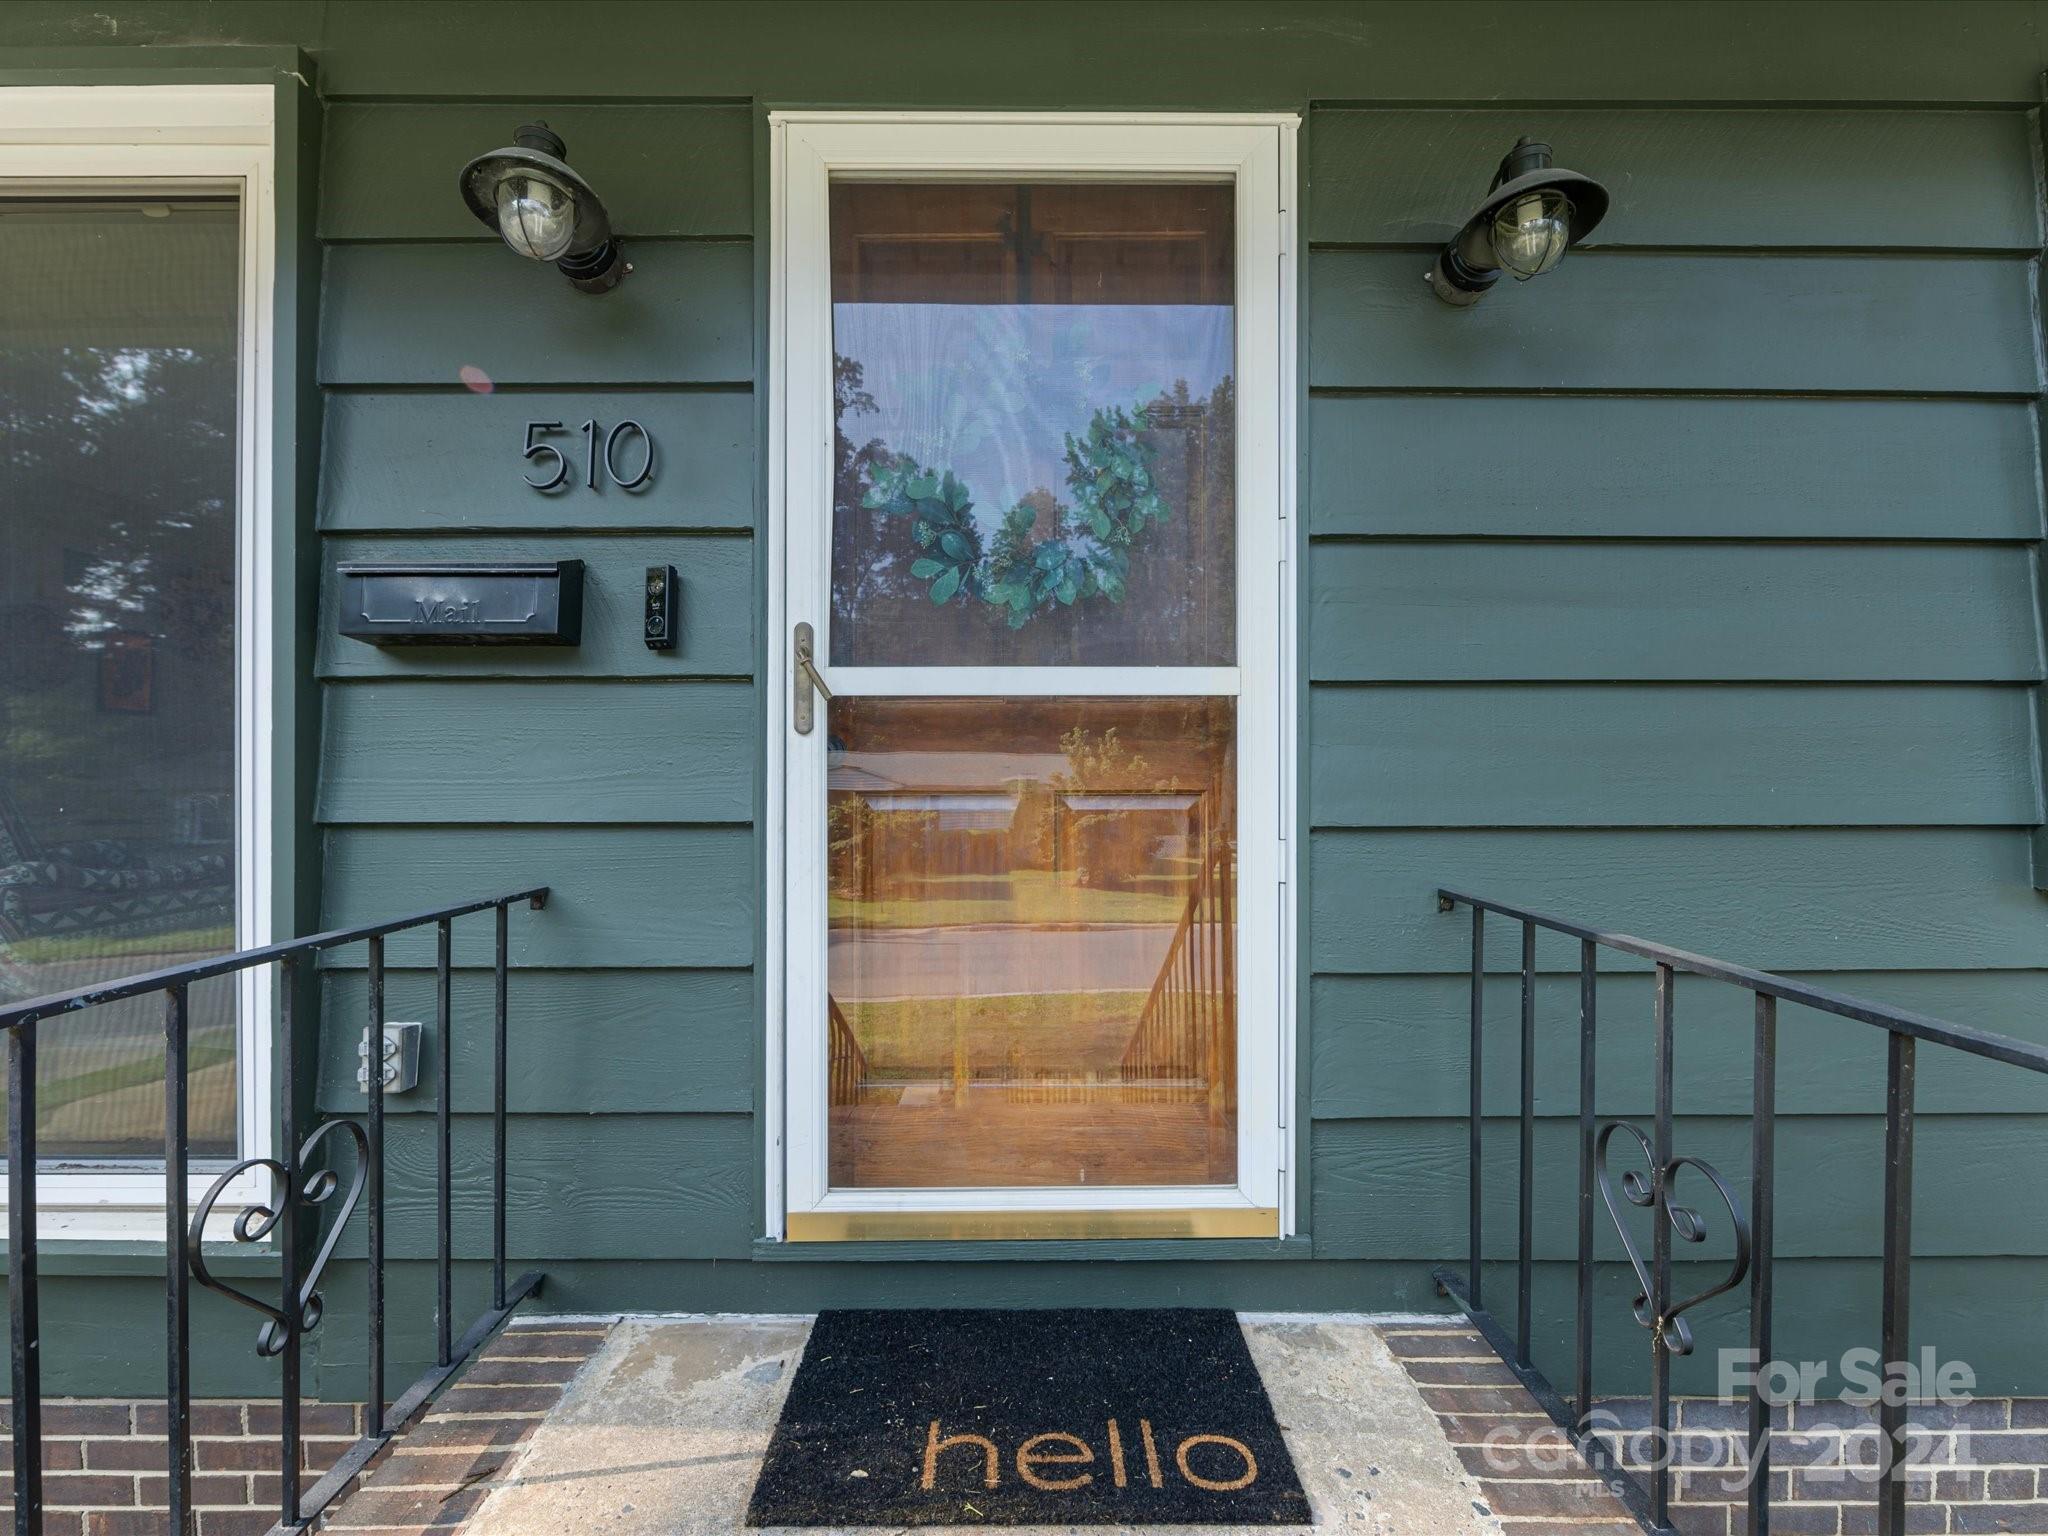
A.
x: 1095, y: 1417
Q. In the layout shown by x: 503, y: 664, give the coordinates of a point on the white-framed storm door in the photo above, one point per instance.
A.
x: 1032, y: 384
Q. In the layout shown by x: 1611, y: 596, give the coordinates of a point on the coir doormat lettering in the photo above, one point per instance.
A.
x: 1097, y: 1417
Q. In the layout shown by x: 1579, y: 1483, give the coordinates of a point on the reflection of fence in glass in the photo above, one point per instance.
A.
x: 1032, y: 952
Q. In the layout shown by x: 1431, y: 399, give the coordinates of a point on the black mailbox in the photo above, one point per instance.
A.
x: 535, y: 603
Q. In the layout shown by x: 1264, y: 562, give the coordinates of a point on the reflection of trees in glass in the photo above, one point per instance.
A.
x: 1085, y: 554
x: 903, y: 530
x: 117, y: 478
x: 870, y: 554
x: 92, y: 425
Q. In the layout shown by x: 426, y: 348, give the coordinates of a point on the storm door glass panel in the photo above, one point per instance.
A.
x: 1035, y: 425
x: 118, y: 362
x: 1032, y: 934
x: 1032, y: 946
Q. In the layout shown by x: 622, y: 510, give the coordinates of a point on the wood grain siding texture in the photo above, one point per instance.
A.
x: 1394, y: 1046
x: 1396, y: 1188
x: 1692, y: 592
x: 623, y: 778
x: 1696, y: 321
x: 591, y: 1186
x: 1539, y: 611
x: 409, y: 462
x: 1672, y: 467
x: 654, y: 897
x: 419, y: 314
x: 1575, y: 755
x: 665, y: 170
x: 579, y: 1042
x: 1725, y: 179
x: 1806, y: 898
x: 538, y: 752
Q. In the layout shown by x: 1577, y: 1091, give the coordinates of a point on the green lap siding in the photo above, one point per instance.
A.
x: 1824, y: 322
x: 1580, y: 755
x: 631, y: 1042
x: 667, y: 170
x: 1673, y: 467
x: 626, y: 779
x: 422, y: 314
x: 585, y: 752
x: 1723, y: 179
x: 656, y: 897
x: 402, y: 462
x: 1693, y: 590
x: 1614, y: 610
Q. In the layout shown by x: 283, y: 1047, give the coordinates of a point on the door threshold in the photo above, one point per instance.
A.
x: 970, y: 1226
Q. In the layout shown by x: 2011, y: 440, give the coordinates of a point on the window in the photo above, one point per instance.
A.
x: 133, y: 512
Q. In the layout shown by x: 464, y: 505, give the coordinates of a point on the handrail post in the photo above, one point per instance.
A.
x: 1475, y: 1076
x: 1762, y: 1154
x: 498, y: 1050
x: 374, y: 1407
x: 1898, y: 1260
x: 444, y: 1190
x: 1583, y: 1375
x: 23, y: 1304
x: 287, y: 1196
x: 1660, y: 1264
x: 1525, y: 1243
x: 178, y: 1296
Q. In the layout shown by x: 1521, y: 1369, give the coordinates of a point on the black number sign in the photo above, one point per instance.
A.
x: 617, y: 445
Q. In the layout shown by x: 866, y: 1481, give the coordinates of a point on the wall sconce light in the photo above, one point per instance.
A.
x: 543, y: 210
x: 1531, y: 215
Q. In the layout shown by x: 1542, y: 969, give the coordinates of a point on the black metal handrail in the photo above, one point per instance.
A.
x: 300, y: 1305
x: 1655, y: 1308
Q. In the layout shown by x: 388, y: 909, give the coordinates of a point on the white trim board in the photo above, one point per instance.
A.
x: 126, y: 139
x: 1256, y: 152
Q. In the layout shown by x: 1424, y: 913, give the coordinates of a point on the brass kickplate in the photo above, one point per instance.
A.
x: 974, y: 1226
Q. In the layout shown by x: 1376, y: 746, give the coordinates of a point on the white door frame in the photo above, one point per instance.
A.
x: 1257, y: 153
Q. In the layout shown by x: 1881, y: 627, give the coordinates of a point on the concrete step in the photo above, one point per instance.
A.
x: 661, y: 1433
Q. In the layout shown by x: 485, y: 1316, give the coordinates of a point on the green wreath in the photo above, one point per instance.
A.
x: 1086, y: 555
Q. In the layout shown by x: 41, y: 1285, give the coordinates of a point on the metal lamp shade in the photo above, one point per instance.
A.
x: 590, y: 257
x: 1469, y: 264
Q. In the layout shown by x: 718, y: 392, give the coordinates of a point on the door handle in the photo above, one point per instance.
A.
x: 806, y: 679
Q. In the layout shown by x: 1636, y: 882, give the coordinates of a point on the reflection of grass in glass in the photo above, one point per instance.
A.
x: 116, y: 1108
x: 52, y: 1096
x: 1067, y: 1033
x: 193, y: 942
x: 1034, y: 896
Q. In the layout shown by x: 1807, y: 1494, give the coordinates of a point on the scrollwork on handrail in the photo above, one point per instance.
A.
x: 1641, y: 1188
x: 257, y: 1221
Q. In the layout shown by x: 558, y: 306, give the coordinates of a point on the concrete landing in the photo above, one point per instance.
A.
x: 662, y: 1432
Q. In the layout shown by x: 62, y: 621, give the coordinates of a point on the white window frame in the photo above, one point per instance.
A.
x: 129, y: 140
x: 1256, y: 152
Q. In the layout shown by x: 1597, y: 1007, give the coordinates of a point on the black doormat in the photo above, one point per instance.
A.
x: 1097, y: 1417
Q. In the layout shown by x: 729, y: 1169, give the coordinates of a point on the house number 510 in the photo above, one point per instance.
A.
x: 601, y: 450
